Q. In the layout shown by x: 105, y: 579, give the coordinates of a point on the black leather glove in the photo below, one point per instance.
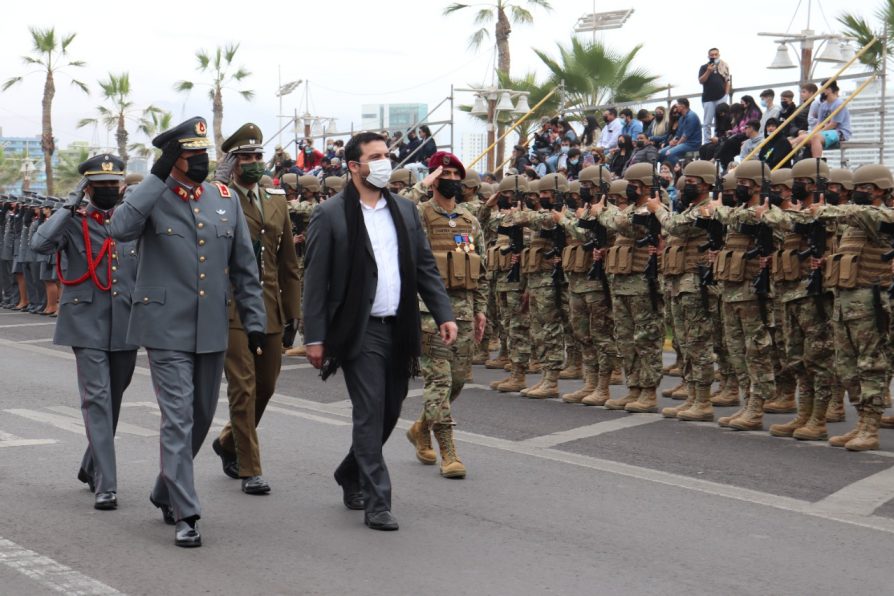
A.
x: 256, y: 340
x: 225, y: 167
x: 289, y: 332
x: 165, y: 163
x: 74, y: 200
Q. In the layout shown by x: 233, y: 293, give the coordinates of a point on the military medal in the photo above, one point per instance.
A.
x: 465, y: 238
x: 451, y: 223
x: 458, y: 240
x: 471, y: 243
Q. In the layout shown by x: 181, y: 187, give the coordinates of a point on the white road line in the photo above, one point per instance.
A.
x: 67, y: 423
x: 307, y: 416
x: 45, y: 340
x: 123, y: 427
x: 304, y: 366
x: 10, y: 440
x: 26, y: 325
x: 49, y: 573
x: 591, y: 430
x: 862, y: 497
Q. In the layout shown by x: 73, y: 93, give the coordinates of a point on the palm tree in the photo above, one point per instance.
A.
x: 50, y: 53
x: 595, y: 75
x: 150, y: 125
x: 219, y: 66
x: 116, y: 91
x: 858, y: 27
x: 10, y: 169
x: 516, y: 13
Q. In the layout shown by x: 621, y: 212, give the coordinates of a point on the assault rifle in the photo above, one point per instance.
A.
x: 764, y: 247
x: 598, y: 240
x: 815, y: 234
x: 652, y: 238
x: 516, y: 240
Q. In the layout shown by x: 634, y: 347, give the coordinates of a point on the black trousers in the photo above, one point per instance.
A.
x: 376, y: 395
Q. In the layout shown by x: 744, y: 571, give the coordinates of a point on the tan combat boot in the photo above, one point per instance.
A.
x: 508, y: 367
x: 681, y: 392
x: 784, y: 403
x: 548, y: 389
x: 494, y: 384
x: 835, y: 412
x: 670, y: 390
x: 589, y: 387
x: 497, y: 363
x: 296, y: 351
x: 573, y: 369
x: 701, y: 410
x: 480, y: 356
x: 805, y: 409
x: 753, y: 416
x: 721, y: 385
x: 534, y: 386
x: 730, y: 394
x: 725, y: 420
x: 420, y: 436
x: 675, y: 369
x: 620, y: 404
x: 617, y: 377
x: 887, y: 422
x: 600, y: 395
x: 842, y: 440
x: 673, y: 411
x: 646, y: 403
x: 534, y: 366
x: 867, y: 438
x: 451, y: 466
x: 515, y: 382
x: 815, y: 429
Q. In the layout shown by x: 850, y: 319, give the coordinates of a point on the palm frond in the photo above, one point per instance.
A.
x: 86, y: 122
x: 484, y: 16
x: 10, y: 82
x: 81, y: 85
x: 452, y: 8
x: 520, y: 15
x: 183, y: 86
x: 477, y: 38
x: 247, y: 94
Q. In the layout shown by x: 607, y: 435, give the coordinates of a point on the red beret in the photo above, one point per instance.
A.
x: 448, y: 160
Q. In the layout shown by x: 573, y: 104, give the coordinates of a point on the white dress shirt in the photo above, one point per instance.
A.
x: 383, y: 238
x: 610, y: 134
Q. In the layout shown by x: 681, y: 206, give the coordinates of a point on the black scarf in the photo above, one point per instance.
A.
x: 342, y: 335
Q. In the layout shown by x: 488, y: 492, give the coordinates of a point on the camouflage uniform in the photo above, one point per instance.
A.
x: 301, y: 211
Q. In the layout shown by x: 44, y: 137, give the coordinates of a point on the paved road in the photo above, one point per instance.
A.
x: 559, y: 499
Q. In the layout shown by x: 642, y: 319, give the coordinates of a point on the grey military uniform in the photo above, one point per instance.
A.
x: 34, y: 267
x: 93, y: 321
x: 8, y: 284
x: 194, y: 247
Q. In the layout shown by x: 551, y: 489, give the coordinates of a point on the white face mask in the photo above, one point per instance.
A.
x: 379, y: 172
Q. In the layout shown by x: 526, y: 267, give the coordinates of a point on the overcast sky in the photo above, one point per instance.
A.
x: 361, y: 51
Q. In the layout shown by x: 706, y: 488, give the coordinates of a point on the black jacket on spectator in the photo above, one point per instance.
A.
x: 775, y: 150
x: 428, y: 149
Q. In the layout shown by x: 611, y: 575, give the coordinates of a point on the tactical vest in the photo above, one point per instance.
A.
x: 731, y: 264
x: 458, y: 264
x: 857, y: 263
x: 576, y: 259
x: 681, y: 255
x: 625, y: 258
x: 496, y: 259
x: 532, y: 257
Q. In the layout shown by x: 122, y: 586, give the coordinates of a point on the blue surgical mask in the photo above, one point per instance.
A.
x: 763, y: 103
x: 573, y: 161
x: 565, y: 149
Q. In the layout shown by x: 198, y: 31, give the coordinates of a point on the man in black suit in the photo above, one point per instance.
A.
x: 366, y: 260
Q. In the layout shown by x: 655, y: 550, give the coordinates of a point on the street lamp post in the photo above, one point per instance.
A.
x: 282, y: 92
x: 489, y: 102
x: 834, y: 46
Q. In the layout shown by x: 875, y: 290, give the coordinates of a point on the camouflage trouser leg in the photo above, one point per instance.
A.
x: 494, y: 323
x: 694, y: 325
x: 750, y: 347
x: 444, y: 369
x: 548, y: 333
x: 809, y: 348
x: 517, y: 326
x: 669, y: 323
x: 640, y: 339
x: 300, y: 298
x: 573, y: 348
x: 720, y: 351
x: 786, y: 380
x: 861, y: 357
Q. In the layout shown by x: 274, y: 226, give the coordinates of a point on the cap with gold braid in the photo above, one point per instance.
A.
x: 192, y: 135
x: 102, y: 167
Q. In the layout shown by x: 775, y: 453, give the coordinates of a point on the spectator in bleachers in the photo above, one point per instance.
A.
x: 688, y: 136
x: 753, y: 138
x: 752, y: 111
x: 308, y: 158
x: 407, y: 148
x: 723, y: 123
x: 801, y: 121
x: 786, y: 106
x: 566, y: 131
x: 770, y: 109
x: 644, y: 151
x: 538, y: 163
x: 715, y: 80
x: 591, y: 131
x: 428, y: 145
x: 777, y: 148
x: 617, y: 163
x: 646, y: 120
x: 573, y: 163
x: 541, y: 137
x: 835, y: 131
x: 519, y: 159
x: 611, y: 130
x: 660, y: 123
x: 631, y: 126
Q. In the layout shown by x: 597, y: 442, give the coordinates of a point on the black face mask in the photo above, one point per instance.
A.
x: 451, y: 189
x: 197, y: 167
x: 530, y: 204
x: 775, y: 199
x: 728, y: 199
x: 690, y: 193
x: 104, y: 197
x: 743, y: 194
x: 832, y: 197
x: 503, y: 203
x: 586, y: 194
x: 799, y: 191
x: 571, y: 202
x: 861, y: 197
x: 665, y: 183
x: 659, y: 116
x: 640, y: 144
x: 632, y: 194
x: 546, y: 203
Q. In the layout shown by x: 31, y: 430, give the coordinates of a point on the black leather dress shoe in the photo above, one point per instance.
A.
x: 229, y: 463
x: 86, y: 478
x: 380, y: 520
x: 167, y: 512
x: 187, y: 536
x: 106, y: 501
x: 255, y: 485
x: 352, y: 496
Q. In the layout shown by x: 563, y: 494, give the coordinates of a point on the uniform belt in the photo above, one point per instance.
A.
x: 383, y: 320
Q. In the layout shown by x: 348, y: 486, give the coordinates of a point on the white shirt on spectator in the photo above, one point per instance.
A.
x: 610, y: 134
x: 383, y: 238
x: 813, y: 112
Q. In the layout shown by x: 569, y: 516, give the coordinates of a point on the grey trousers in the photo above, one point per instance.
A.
x: 377, y: 395
x: 102, y: 379
x: 186, y: 387
x: 40, y: 290
x: 8, y: 286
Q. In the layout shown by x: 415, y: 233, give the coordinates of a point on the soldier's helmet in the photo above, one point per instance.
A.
x: 591, y: 174
x: 553, y: 182
x: 874, y: 174
x: 509, y: 182
x: 782, y: 177
x: 472, y: 179
x: 574, y: 187
x: 729, y: 181
x: 486, y: 189
x: 402, y: 175
x: 289, y: 182
x: 806, y: 168
x: 336, y: 183
x: 756, y: 171
x: 618, y: 187
x: 639, y: 172
x: 308, y: 182
x: 534, y: 186
x: 701, y: 169
x: 265, y: 181
x: 843, y: 177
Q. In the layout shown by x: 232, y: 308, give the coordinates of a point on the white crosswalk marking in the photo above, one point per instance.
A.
x: 49, y: 573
